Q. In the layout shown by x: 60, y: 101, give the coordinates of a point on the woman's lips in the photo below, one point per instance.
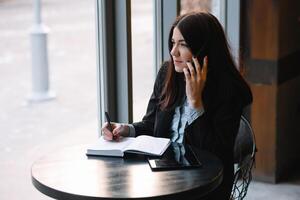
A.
x: 177, y: 61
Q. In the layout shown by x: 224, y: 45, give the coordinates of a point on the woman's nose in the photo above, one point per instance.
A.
x: 174, y: 51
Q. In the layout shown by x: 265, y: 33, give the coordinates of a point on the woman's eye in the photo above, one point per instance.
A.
x: 185, y: 45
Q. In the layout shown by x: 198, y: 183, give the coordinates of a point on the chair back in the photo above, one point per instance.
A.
x: 244, y: 158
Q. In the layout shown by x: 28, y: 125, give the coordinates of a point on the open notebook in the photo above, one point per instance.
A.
x: 142, y: 144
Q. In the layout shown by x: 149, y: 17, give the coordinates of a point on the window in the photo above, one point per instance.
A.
x: 226, y: 11
x: 143, y: 69
x: 216, y: 7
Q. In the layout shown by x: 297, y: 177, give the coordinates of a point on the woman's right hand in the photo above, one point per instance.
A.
x: 195, y: 81
x: 119, y: 130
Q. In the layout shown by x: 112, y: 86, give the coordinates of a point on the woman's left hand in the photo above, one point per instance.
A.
x: 195, y: 80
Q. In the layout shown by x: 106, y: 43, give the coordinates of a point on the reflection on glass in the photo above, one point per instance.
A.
x: 65, y: 177
x: 195, y: 5
x: 179, y: 153
x: 211, y: 6
x: 142, y: 55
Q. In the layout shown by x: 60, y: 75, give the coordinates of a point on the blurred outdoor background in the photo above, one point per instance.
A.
x: 30, y: 130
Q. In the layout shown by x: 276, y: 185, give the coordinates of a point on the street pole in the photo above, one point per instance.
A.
x: 39, y: 56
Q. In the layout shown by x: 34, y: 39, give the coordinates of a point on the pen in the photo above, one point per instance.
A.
x: 109, y: 124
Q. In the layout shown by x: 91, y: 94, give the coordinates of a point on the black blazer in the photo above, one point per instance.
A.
x: 215, y: 133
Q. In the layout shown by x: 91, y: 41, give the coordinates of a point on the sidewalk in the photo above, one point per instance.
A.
x: 29, y: 131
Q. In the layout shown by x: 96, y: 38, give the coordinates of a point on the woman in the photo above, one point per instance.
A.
x: 198, y: 96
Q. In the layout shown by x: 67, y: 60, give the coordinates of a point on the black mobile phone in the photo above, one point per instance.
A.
x: 177, y: 156
x: 200, y: 59
x: 200, y: 55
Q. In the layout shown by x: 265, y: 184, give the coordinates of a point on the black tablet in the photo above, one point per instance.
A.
x: 177, y: 156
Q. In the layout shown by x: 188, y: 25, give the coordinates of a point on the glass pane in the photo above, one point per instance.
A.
x: 31, y: 130
x: 213, y: 6
x: 195, y: 5
x: 142, y: 55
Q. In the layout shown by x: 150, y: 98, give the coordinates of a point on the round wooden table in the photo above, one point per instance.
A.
x: 70, y: 174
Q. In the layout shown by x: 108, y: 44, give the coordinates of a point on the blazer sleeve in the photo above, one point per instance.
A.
x: 226, y: 124
x: 146, y: 126
x: 225, y: 119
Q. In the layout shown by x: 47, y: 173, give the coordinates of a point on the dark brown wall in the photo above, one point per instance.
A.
x: 288, y: 128
x: 263, y: 29
x: 270, y: 41
x: 263, y: 119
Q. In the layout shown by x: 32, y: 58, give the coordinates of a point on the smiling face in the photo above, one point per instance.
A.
x: 180, y: 51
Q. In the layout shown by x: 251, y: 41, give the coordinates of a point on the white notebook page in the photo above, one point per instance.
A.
x: 103, y: 144
x: 149, y: 144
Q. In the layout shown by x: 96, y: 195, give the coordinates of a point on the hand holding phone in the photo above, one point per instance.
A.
x: 195, y: 81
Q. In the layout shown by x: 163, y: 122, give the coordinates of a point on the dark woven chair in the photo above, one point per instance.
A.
x: 244, y: 158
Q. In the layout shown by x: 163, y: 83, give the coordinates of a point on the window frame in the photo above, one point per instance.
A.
x: 114, y: 62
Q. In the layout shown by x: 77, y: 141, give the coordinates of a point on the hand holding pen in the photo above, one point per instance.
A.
x: 110, y: 128
x: 114, y: 131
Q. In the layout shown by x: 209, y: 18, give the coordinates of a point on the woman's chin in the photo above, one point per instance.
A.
x: 179, y: 69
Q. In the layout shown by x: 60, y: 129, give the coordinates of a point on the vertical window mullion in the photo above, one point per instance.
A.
x: 113, y: 36
x: 233, y: 27
x: 100, y: 59
x: 123, y: 61
x: 165, y: 13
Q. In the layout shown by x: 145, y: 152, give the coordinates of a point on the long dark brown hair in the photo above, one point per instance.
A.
x: 205, y: 37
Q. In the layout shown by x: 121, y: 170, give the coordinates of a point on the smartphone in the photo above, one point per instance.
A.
x: 177, y: 156
x: 200, y: 55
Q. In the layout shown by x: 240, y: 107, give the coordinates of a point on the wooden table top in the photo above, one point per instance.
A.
x: 69, y: 174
